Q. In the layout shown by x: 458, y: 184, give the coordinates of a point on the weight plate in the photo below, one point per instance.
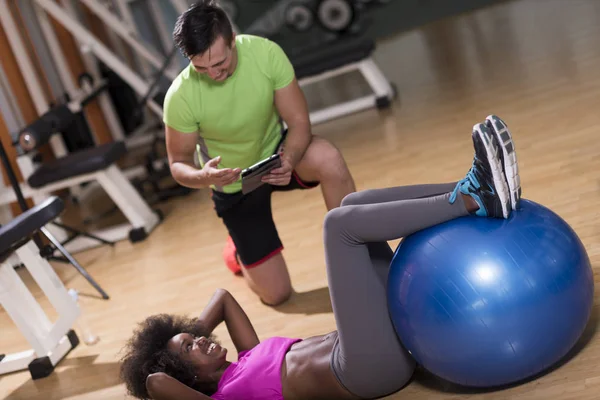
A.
x: 335, y: 15
x: 299, y: 17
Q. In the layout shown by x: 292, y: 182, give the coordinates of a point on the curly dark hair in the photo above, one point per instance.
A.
x: 199, y: 26
x: 146, y: 353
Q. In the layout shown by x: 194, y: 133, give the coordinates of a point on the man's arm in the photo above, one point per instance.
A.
x: 181, y: 150
x: 223, y: 307
x: 293, y: 109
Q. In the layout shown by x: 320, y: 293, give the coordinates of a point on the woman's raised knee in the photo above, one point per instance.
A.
x: 336, y: 220
x: 351, y: 199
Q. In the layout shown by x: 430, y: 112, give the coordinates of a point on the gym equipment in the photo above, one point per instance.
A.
x: 94, y: 45
x: 149, y: 90
x: 129, y: 35
x: 489, y: 302
x: 332, y: 18
x: 299, y: 17
x: 333, y: 15
x: 50, y: 343
x: 336, y: 15
x: 337, y: 51
x: 342, y: 57
x: 87, y: 165
x: 30, y: 223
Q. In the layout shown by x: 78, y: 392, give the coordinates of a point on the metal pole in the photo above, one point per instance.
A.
x: 31, y: 79
x: 139, y: 85
x: 123, y: 9
x: 166, y: 38
x: 56, y: 51
x: 116, y: 129
x: 129, y: 35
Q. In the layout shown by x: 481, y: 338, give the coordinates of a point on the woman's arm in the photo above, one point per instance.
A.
x: 223, y: 307
x: 161, y: 386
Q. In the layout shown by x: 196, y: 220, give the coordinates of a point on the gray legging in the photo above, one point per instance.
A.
x: 368, y: 359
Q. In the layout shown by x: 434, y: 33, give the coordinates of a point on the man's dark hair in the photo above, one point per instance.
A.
x: 198, y: 28
x: 146, y: 353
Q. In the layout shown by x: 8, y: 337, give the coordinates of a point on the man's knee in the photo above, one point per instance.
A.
x: 277, y: 296
x: 276, y: 292
x: 270, y: 280
x: 333, y: 163
x: 325, y: 160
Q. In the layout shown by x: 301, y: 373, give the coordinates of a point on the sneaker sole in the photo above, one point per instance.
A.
x: 509, y: 157
x: 493, y: 156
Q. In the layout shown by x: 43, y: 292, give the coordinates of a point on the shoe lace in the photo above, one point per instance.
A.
x: 470, y: 178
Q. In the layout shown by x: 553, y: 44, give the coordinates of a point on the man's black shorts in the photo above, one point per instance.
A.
x: 249, y: 219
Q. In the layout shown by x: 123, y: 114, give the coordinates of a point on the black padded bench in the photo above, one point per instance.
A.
x: 26, y: 225
x: 96, y: 164
x: 22, y: 228
x: 82, y: 162
x: 337, y: 58
x: 50, y: 341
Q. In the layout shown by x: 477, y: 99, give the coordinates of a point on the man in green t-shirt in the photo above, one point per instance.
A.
x: 224, y: 113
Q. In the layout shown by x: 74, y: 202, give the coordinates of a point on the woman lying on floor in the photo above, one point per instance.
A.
x: 173, y: 357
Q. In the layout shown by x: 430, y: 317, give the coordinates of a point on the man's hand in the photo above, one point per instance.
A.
x: 280, y: 176
x: 212, y: 175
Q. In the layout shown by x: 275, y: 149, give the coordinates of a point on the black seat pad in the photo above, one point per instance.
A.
x: 331, y: 56
x: 20, y: 229
x: 77, y: 163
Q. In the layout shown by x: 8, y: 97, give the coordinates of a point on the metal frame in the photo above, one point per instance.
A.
x: 166, y: 40
x: 33, y: 85
x: 102, y: 52
x: 129, y: 35
x: 43, y: 54
x: 115, y: 184
x: 47, y: 339
x: 31, y: 79
x: 127, y: 16
x: 104, y: 100
x: 377, y: 81
x: 12, y: 118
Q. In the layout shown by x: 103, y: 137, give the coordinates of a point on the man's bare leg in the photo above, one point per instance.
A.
x: 270, y: 280
x: 321, y: 162
x: 324, y: 163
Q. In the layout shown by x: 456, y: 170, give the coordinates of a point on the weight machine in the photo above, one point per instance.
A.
x: 338, y: 49
x: 338, y: 19
x: 50, y: 342
x: 146, y: 177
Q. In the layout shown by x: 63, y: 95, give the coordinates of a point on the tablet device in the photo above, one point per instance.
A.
x: 252, y: 176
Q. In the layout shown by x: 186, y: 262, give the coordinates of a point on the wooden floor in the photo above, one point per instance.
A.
x: 535, y: 63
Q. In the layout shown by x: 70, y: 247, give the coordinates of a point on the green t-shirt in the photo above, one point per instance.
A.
x: 235, y: 119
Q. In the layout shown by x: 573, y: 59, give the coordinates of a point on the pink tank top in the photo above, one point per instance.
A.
x: 257, y: 373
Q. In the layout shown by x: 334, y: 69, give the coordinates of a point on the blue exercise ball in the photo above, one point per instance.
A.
x: 488, y: 302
